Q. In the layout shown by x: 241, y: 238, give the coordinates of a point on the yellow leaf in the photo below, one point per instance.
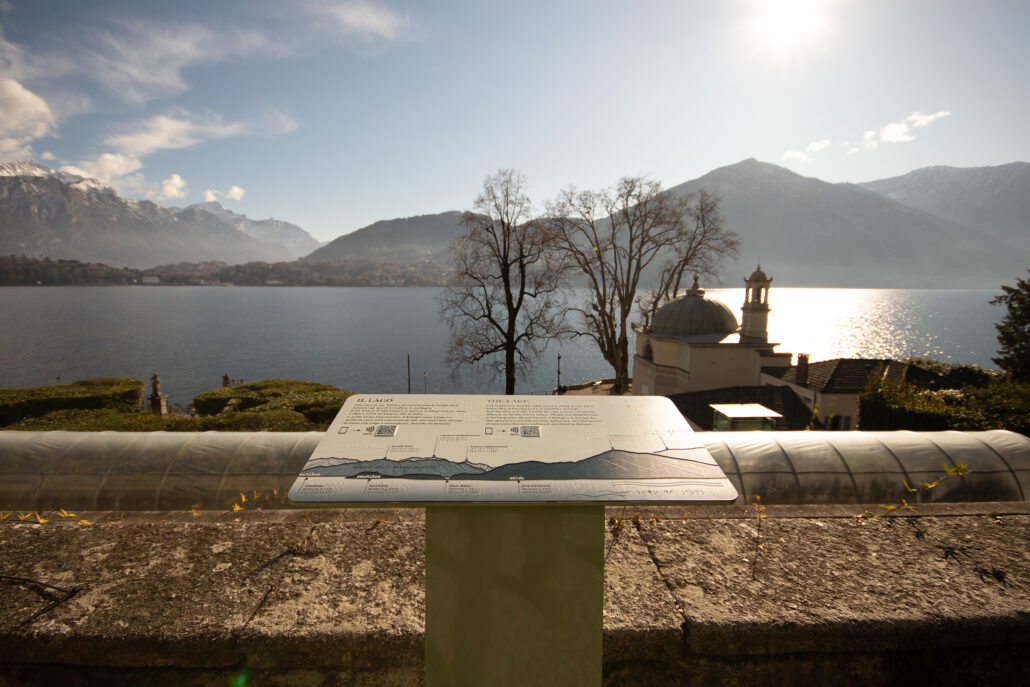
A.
x: 237, y: 506
x: 24, y: 516
x: 65, y: 514
x: 41, y: 519
x: 4, y: 516
x: 85, y: 522
x: 243, y: 497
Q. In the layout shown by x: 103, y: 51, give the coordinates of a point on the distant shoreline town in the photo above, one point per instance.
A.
x: 25, y: 271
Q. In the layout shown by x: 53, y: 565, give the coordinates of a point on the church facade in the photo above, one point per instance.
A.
x: 694, y: 343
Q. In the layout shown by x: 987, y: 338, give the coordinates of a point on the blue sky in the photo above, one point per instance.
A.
x: 333, y: 114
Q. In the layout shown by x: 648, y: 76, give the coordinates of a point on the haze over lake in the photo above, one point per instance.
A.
x: 358, y: 338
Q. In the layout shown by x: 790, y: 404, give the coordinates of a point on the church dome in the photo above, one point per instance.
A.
x: 693, y: 317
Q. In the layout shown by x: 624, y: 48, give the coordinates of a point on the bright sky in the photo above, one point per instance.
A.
x: 334, y: 114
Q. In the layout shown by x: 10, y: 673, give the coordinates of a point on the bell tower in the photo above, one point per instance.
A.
x: 754, y: 325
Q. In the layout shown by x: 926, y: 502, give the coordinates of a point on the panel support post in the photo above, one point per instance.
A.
x: 514, y: 595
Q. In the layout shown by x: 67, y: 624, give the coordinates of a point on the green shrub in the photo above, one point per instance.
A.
x: 252, y: 421
x: 96, y: 405
x: 272, y: 393
x: 1001, y: 404
x: 317, y: 403
x: 104, y: 419
x: 119, y: 394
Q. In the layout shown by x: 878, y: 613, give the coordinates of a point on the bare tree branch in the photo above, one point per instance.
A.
x: 613, y: 236
x: 505, y: 303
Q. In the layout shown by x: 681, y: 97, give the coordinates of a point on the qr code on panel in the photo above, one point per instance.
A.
x: 530, y: 430
x: 386, y: 431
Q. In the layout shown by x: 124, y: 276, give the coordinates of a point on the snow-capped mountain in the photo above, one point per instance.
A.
x: 45, y: 213
x: 274, y: 231
x: 810, y: 232
x: 994, y: 199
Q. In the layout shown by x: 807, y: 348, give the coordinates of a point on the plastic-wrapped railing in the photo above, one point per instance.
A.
x: 209, y: 470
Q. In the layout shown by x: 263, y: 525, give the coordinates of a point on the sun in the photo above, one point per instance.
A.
x: 786, y: 25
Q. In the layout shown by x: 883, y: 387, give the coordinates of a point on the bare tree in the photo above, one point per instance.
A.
x: 705, y: 243
x: 505, y: 302
x: 616, y: 234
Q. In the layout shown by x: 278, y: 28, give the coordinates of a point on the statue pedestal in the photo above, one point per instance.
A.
x: 159, y: 404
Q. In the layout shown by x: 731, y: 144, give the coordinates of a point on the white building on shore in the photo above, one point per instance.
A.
x: 694, y: 343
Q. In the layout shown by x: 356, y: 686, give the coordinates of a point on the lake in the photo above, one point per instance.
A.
x: 359, y: 338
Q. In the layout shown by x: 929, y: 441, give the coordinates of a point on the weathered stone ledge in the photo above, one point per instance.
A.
x: 337, y: 596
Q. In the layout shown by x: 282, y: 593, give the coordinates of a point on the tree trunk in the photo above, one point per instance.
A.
x: 622, y: 367
x: 509, y: 371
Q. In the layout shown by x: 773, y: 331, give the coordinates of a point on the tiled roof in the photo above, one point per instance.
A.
x: 694, y: 405
x: 850, y: 375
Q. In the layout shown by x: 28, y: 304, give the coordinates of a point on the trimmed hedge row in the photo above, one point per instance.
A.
x: 119, y: 394
x: 106, y: 420
x: 97, y: 405
x: 317, y: 402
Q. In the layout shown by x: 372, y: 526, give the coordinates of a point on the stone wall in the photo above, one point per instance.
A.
x: 316, y: 597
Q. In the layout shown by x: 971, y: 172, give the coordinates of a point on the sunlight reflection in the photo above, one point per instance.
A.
x: 867, y: 323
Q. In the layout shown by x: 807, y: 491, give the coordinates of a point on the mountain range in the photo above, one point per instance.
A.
x: 44, y: 213
x: 809, y: 232
x: 405, y: 239
x: 936, y: 227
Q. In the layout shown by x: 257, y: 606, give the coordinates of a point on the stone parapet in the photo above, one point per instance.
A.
x: 337, y: 596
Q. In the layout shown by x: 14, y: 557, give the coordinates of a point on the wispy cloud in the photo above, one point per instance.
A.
x: 140, y: 60
x: 806, y: 154
x: 24, y: 117
x: 169, y: 132
x: 234, y: 193
x: 900, y: 131
x: 177, y: 130
x: 366, y: 21
x: 106, y: 167
x: 135, y: 60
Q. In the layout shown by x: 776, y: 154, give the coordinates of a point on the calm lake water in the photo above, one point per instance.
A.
x: 358, y: 338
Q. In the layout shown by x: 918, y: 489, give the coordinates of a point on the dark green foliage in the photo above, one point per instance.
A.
x: 280, y: 420
x: 354, y: 271
x: 23, y: 271
x: 97, y: 405
x: 957, y: 375
x: 273, y: 394
x: 102, y: 420
x: 1014, y: 331
x: 999, y: 404
x: 119, y: 394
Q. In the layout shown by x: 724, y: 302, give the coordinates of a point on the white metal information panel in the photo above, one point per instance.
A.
x: 509, y: 449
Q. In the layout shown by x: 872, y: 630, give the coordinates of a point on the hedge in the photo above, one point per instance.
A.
x: 270, y: 393
x: 121, y: 394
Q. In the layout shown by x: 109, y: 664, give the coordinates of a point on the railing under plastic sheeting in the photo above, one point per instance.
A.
x: 210, y: 470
